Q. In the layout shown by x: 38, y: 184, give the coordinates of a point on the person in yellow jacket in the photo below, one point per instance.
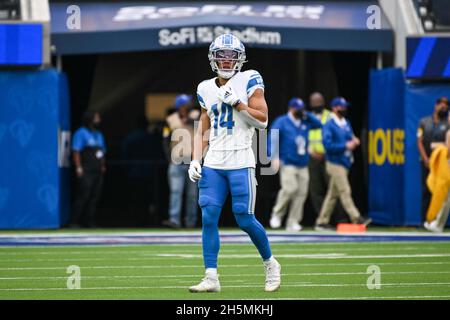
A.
x: 438, y: 182
x: 318, y: 183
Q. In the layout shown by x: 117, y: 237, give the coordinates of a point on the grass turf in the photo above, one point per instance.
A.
x: 412, y: 270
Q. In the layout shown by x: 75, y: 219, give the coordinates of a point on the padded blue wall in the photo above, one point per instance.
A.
x: 395, y: 186
x: 33, y: 110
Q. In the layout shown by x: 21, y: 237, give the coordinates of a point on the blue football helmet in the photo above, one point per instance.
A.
x: 226, y: 47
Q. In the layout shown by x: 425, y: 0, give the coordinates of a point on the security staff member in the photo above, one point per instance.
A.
x: 318, y: 182
x: 89, y: 150
x: 339, y: 141
x: 431, y: 132
x: 292, y: 149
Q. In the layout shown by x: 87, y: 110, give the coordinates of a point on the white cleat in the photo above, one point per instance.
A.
x: 432, y: 226
x: 275, y: 222
x: 273, y: 276
x: 207, y: 285
x: 294, y: 227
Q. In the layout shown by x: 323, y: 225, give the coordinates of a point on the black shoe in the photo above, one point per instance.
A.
x: 170, y: 224
x: 324, y: 227
x: 363, y: 220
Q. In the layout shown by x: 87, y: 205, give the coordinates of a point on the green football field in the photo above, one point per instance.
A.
x: 408, y: 270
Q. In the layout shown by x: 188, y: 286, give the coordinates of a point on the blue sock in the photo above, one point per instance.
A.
x: 210, y: 235
x: 249, y: 224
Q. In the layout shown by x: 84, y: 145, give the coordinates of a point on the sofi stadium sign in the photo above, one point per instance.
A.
x: 206, y: 34
x: 136, y: 13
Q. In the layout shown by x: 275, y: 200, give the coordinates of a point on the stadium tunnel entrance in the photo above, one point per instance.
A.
x: 135, y: 192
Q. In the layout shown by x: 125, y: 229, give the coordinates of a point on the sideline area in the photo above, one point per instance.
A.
x: 121, y: 237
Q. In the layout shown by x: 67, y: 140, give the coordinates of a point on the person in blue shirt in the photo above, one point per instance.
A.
x: 88, y: 147
x: 339, y: 142
x: 290, y: 154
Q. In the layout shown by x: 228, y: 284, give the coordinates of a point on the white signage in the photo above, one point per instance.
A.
x: 136, y: 13
x: 202, y: 35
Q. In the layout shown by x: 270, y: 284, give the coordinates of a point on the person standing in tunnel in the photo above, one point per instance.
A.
x: 178, y: 140
x: 88, y: 147
x: 318, y: 183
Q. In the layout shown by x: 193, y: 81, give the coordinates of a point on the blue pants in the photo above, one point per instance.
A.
x: 178, y: 180
x: 214, y: 187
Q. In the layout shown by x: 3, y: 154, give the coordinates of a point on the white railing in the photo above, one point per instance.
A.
x: 405, y: 22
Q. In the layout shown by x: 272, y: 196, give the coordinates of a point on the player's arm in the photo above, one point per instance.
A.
x: 200, y: 141
x: 200, y: 144
x: 256, y: 112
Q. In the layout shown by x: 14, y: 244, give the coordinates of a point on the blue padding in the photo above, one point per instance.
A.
x: 395, y: 109
x: 33, y: 190
x: 385, y: 192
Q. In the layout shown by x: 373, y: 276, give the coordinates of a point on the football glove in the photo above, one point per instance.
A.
x: 195, y: 170
x: 228, y: 96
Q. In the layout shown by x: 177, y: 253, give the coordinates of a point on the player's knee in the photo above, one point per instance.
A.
x: 245, y: 221
x: 240, y: 208
x: 210, y: 216
x: 208, y: 222
x: 205, y: 200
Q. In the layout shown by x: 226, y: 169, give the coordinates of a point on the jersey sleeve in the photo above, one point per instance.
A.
x: 78, y: 141
x: 200, y: 96
x: 255, y: 81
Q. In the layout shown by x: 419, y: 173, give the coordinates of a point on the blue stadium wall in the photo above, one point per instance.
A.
x: 34, y: 114
x: 395, y: 108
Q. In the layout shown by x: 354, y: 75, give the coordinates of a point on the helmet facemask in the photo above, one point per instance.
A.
x: 226, y: 62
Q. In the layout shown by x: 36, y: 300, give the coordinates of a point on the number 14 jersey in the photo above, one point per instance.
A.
x: 230, y: 137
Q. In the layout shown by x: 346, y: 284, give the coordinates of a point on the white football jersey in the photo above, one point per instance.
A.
x: 230, y: 137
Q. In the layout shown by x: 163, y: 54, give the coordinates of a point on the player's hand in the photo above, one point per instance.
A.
x: 227, y: 95
x: 357, y: 141
x: 195, y: 170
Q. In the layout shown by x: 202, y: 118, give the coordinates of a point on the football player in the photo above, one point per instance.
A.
x: 233, y: 105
